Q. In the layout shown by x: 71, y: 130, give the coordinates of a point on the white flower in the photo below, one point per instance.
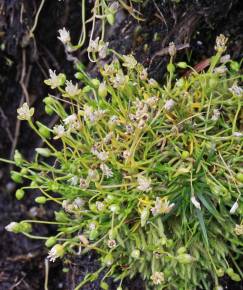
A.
x: 99, y: 205
x: 55, y: 252
x: 71, y: 89
x: 70, y: 119
x: 25, y: 113
x: 158, y: 278
x: 78, y: 203
x: 64, y: 36
x: 93, y: 174
x: 172, y: 49
x: 111, y: 244
x: 55, y: 80
x: 238, y: 134
x: 93, y: 45
x: 126, y: 154
x: 143, y: 74
x: 152, y: 101
x: 221, y: 41
x: 144, y: 183
x: 225, y: 58
x: 108, y: 138
x: 113, y: 120
x: 83, y: 183
x: 103, y: 49
x: 92, y: 226
x: 129, y: 61
x: 119, y: 80
x: 169, y: 105
x: 238, y: 230
x: 234, y: 208
x: 195, y: 202
x: 106, y: 170
x: 59, y: 131
x: 216, y: 115
x: 12, y: 227
x: 162, y: 206
x: 236, y: 90
x: 103, y: 156
x: 74, y: 180
x: 220, y: 69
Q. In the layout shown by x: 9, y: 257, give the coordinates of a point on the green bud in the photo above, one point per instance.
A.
x: 182, y: 64
x: 135, y: 254
x: 104, y: 285
x: 110, y: 18
x: 65, y: 270
x: 16, y: 177
x: 25, y: 227
x: 93, y: 234
x: 48, y: 100
x: 19, y: 194
x: 170, y: 68
x: 181, y: 250
x: 18, y: 158
x: 87, y: 89
x: 185, y: 259
x: 79, y: 76
x: 23, y: 171
x: 235, y: 277
x: 50, y: 242
x: 185, y: 154
x: 213, y: 82
x: 49, y: 110
x: 239, y: 177
x: 95, y: 83
x: 108, y: 260
x: 119, y: 288
x: 43, y: 130
x: 234, y: 65
x: 13, y: 227
x: 40, y: 199
x: 220, y: 272
x: 102, y: 90
x: 229, y: 271
x: 43, y: 152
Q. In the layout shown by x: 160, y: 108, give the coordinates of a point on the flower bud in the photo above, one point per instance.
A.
x: 234, y: 65
x: 185, y: 154
x: 50, y: 242
x: 110, y: 18
x: 25, y: 227
x: 181, y: 250
x: 108, y: 260
x: 170, y: 68
x: 93, y: 234
x: 239, y: 177
x: 43, y: 152
x: 16, y: 177
x: 40, y: 199
x: 135, y: 254
x: 13, y: 227
x: 95, y: 83
x: 102, y: 90
x: 43, y: 130
x: 104, y: 285
x: 86, y: 89
x: 19, y: 194
x: 18, y: 158
x: 185, y: 259
x: 48, y: 110
x: 182, y: 64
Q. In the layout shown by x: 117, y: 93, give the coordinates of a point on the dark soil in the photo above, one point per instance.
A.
x: 24, y: 64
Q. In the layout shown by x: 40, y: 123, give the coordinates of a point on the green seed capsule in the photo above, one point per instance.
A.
x: 50, y: 242
x: 18, y: 158
x: 239, y: 176
x: 102, y: 90
x: 110, y: 18
x: 16, y: 177
x: 95, y: 83
x: 234, y: 65
x: 170, y: 68
x: 135, y: 254
x: 104, y: 285
x: 49, y: 110
x: 25, y: 227
x: 40, y: 199
x: 43, y: 130
x: 185, y: 154
x: 182, y: 64
x: 19, y: 194
x: 43, y: 152
x: 87, y: 89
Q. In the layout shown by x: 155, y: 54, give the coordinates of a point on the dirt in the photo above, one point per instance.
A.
x: 24, y: 64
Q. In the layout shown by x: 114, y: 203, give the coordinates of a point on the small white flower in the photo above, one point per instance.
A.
x: 106, y: 170
x: 143, y: 74
x: 129, y: 61
x: 172, y: 49
x: 70, y: 119
x: 195, y: 202
x: 169, y: 105
x: 144, y: 183
x: 74, y: 180
x: 221, y: 41
x: 238, y: 134
x: 92, y: 226
x: 225, y: 58
x: 55, y: 252
x: 162, y: 206
x: 78, y: 202
x: 236, y: 90
x: 152, y: 101
x: 103, y: 50
x: 111, y: 244
x: 234, y: 208
x: 126, y: 154
x: 93, y: 45
x: 71, y: 89
x: 59, y: 131
x: 64, y: 36
x: 216, y: 115
x: 113, y: 120
x: 220, y: 69
x: 238, y: 230
x: 158, y: 278
x: 11, y: 227
x: 103, y: 156
x: 83, y: 183
x: 25, y: 113
x: 99, y: 205
x: 108, y: 137
x: 93, y: 175
x: 55, y: 80
x: 119, y: 79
